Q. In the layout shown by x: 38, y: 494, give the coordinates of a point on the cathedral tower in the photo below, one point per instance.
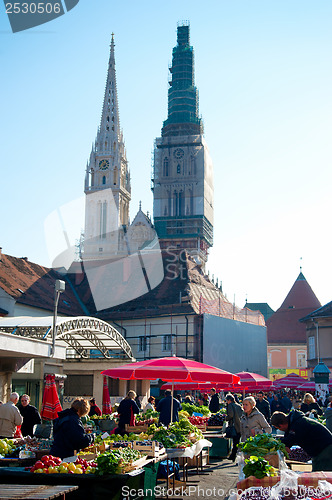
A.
x: 107, y: 180
x: 182, y: 182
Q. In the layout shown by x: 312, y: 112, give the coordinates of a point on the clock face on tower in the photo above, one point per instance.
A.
x: 178, y: 153
x: 104, y: 164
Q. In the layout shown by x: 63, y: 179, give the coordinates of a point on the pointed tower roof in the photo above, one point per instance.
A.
x: 109, y: 132
x: 284, y: 326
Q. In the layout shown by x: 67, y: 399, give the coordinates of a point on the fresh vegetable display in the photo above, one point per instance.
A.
x: 262, y: 444
x: 178, y: 435
x: 258, y: 467
x: 189, y: 408
x: 117, y: 461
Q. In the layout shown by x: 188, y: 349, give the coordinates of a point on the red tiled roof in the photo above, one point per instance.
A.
x: 33, y: 285
x: 283, y: 326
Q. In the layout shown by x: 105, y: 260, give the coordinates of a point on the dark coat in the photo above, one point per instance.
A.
x: 276, y: 405
x: 214, y: 405
x: 312, y: 436
x: 94, y: 410
x: 127, y: 409
x: 31, y: 417
x: 264, y: 407
x: 234, y: 413
x: 312, y: 406
x: 164, y: 408
x: 69, y: 434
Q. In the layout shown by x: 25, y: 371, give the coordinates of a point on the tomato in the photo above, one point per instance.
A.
x: 39, y: 465
x: 45, y: 457
x: 57, y: 460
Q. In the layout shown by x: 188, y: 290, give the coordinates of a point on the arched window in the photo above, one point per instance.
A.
x: 181, y: 203
x: 115, y: 176
x: 104, y: 179
x: 92, y: 177
x: 165, y: 168
x: 178, y: 168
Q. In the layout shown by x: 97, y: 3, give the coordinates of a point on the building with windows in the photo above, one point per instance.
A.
x: 319, y: 337
x: 287, y: 339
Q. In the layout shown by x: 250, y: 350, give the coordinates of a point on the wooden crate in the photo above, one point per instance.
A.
x: 150, y: 448
x: 123, y: 444
x: 137, y: 429
x: 201, y: 427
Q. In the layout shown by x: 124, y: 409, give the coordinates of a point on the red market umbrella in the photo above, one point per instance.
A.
x: 254, y: 380
x: 107, y: 409
x: 196, y: 386
x: 51, y: 404
x: 292, y: 381
x: 172, y: 369
x: 311, y: 386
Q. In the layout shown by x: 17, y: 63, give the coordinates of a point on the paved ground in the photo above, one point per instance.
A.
x: 216, y: 482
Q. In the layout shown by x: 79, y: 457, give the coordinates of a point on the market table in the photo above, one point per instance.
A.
x: 34, y: 491
x: 90, y: 487
x: 221, y: 445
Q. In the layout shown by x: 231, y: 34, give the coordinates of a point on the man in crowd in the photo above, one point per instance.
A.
x: 30, y: 416
x: 10, y: 417
x: 164, y: 407
x: 214, y: 404
x: 263, y: 406
x: 313, y: 437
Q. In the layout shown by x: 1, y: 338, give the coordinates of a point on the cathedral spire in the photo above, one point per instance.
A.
x: 109, y: 129
x: 107, y: 182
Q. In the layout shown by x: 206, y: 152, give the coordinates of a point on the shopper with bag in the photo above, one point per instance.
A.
x: 10, y: 417
x: 234, y: 413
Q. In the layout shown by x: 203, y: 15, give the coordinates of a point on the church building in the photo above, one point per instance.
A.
x: 182, y: 182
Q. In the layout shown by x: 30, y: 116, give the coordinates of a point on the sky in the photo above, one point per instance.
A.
x: 263, y: 71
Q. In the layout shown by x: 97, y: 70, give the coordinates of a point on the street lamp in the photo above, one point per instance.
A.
x: 59, y: 287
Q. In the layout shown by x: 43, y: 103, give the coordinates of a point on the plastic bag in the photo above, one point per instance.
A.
x: 18, y: 432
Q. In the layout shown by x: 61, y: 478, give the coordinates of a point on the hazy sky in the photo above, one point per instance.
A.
x: 263, y: 70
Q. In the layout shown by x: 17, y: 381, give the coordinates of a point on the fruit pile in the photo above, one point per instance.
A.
x: 198, y: 420
x: 217, y: 419
x: 7, y: 447
x: 54, y: 465
x: 298, y: 454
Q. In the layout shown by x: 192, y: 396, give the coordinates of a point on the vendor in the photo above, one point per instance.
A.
x: 94, y: 408
x: 313, y: 437
x: 68, y: 431
x: 30, y: 416
x: 164, y: 408
x: 150, y: 404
